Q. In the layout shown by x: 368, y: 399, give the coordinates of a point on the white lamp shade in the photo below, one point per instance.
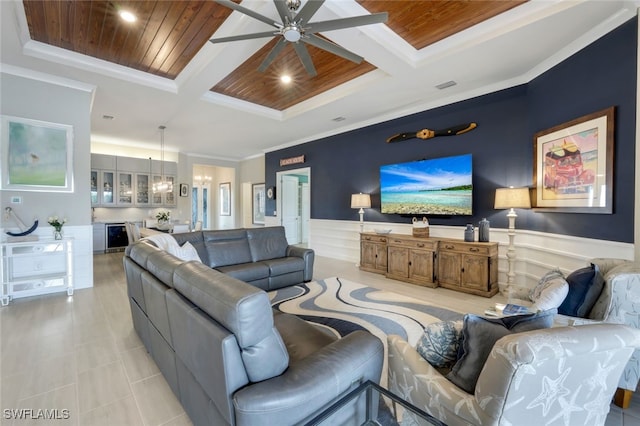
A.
x: 360, y: 201
x: 512, y: 198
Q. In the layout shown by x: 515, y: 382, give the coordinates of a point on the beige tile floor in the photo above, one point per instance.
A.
x: 80, y: 356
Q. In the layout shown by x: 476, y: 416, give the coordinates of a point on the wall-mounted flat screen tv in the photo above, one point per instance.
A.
x: 437, y: 186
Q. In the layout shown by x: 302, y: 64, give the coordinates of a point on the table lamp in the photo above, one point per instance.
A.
x: 361, y: 201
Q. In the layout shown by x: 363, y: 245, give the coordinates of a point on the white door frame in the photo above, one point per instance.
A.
x: 306, y: 171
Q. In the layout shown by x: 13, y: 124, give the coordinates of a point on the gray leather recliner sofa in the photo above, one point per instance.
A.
x: 227, y: 356
x: 259, y: 256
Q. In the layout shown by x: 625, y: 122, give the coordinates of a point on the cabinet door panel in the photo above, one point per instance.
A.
x: 475, y: 272
x: 449, y: 268
x: 381, y: 257
x: 368, y: 254
x: 398, y: 261
x: 421, y: 265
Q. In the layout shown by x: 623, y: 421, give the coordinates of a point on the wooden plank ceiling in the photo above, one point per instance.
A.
x: 168, y: 34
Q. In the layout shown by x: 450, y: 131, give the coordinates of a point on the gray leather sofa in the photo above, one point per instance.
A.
x: 229, y: 358
x: 259, y: 256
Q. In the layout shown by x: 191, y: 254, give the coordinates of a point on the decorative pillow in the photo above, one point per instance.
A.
x: 552, y: 275
x: 440, y: 342
x: 585, y: 286
x: 479, y: 334
x: 550, y: 295
x: 186, y: 252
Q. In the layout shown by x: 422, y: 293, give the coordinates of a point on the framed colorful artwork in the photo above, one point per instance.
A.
x: 573, y: 165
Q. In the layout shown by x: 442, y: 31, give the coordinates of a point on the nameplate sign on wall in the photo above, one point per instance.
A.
x: 291, y: 160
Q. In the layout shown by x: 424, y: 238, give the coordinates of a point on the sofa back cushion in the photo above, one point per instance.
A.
x: 267, y: 243
x: 226, y: 247
x: 242, y: 309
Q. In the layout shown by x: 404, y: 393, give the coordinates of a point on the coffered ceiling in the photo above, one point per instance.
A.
x: 214, y: 101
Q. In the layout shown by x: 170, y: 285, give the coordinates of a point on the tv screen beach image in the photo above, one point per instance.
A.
x: 439, y: 186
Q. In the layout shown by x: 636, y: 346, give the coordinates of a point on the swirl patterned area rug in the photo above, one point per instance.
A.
x: 343, y: 306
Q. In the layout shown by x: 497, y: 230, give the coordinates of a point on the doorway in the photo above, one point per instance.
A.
x: 294, y: 204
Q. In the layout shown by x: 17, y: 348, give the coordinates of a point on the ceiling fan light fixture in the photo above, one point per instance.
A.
x: 291, y: 33
x: 286, y: 79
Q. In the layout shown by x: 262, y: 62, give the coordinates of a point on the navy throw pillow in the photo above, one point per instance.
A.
x: 479, y: 334
x: 585, y: 286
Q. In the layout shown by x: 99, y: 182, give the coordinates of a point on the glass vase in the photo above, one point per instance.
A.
x: 57, y: 234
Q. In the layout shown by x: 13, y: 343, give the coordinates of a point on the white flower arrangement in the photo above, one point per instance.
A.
x: 164, y: 216
x: 56, y: 222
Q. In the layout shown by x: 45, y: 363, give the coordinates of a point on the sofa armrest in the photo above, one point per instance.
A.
x: 312, y: 383
x: 412, y: 378
x: 307, y: 255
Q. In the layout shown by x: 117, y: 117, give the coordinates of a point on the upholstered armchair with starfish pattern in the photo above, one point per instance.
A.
x: 559, y: 375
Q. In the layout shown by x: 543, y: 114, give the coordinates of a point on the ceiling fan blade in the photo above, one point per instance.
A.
x: 283, y: 10
x: 305, y: 58
x: 272, y: 55
x: 308, y: 10
x: 241, y: 9
x: 243, y: 37
x: 323, y: 44
x: 337, y: 24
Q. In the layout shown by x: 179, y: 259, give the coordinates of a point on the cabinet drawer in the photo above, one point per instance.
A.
x: 465, y: 248
x: 39, y: 286
x: 373, y: 238
x: 413, y: 244
x: 30, y: 266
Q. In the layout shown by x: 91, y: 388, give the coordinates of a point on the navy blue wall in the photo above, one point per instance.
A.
x: 601, y: 75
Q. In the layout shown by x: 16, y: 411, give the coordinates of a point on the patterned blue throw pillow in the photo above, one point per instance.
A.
x: 440, y: 342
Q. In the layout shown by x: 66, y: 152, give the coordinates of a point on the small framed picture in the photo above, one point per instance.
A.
x: 184, y: 190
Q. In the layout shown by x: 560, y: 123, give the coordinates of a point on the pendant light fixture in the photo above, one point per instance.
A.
x: 164, y: 185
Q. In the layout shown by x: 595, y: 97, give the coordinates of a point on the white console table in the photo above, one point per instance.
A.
x: 32, y: 268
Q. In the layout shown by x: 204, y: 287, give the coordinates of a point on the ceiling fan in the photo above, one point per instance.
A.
x: 295, y: 28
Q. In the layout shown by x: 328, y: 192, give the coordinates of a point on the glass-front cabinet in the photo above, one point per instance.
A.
x: 125, y: 188
x: 102, y: 187
x: 142, y: 190
x: 125, y: 181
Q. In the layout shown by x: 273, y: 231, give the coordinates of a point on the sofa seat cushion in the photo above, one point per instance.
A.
x: 284, y: 265
x: 585, y: 286
x: 479, y: 334
x: 246, y: 272
x: 301, y: 337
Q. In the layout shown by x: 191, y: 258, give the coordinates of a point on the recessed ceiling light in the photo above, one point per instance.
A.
x: 127, y: 16
x: 286, y: 79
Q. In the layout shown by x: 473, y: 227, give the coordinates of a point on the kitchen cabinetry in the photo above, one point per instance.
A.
x: 35, y: 267
x: 471, y: 267
x: 99, y: 238
x: 412, y: 259
x: 373, y: 253
x: 125, y: 181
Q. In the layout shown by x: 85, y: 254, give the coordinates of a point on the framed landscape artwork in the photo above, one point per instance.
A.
x: 573, y: 165
x: 258, y: 203
x: 36, y: 155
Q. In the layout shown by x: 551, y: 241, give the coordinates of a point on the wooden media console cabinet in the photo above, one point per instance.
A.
x: 470, y: 267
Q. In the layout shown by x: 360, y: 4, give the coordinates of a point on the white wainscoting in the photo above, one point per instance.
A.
x: 536, y: 252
